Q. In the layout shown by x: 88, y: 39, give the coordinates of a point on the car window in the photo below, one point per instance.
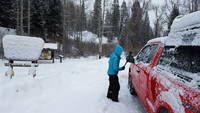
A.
x: 141, y: 55
x: 146, y: 55
x: 167, y: 56
x: 185, y: 58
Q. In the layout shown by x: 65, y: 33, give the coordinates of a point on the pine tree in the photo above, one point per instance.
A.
x: 39, y: 18
x: 46, y: 19
x: 173, y: 15
x: 7, y: 13
x: 123, y: 24
x: 115, y: 18
x: 108, y: 26
x: 97, y: 17
x: 89, y: 23
x: 147, y: 32
x: 134, y: 28
x: 71, y: 16
x: 54, y: 19
x: 83, y: 16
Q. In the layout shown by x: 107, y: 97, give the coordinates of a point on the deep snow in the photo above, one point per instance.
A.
x: 22, y: 47
x: 75, y: 86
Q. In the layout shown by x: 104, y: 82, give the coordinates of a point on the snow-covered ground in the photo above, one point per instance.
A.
x: 74, y: 86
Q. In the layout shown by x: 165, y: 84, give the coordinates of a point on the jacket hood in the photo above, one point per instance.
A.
x: 118, y: 50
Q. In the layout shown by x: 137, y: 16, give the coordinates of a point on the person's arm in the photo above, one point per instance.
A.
x: 116, y: 65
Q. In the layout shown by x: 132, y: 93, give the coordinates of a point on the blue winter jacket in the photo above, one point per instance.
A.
x: 114, y: 61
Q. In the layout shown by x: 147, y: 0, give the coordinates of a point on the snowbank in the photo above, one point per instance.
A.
x: 90, y: 37
x: 22, y: 47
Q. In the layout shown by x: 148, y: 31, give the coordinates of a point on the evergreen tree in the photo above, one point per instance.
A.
x: 123, y: 24
x: 108, y: 26
x: 71, y: 17
x: 46, y: 19
x: 7, y: 13
x: 39, y: 17
x: 147, y: 32
x: 134, y: 28
x: 83, y: 16
x: 115, y: 18
x: 97, y: 17
x: 54, y: 19
x: 89, y: 23
x: 173, y: 15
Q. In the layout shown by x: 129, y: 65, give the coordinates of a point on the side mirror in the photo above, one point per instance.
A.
x: 130, y: 58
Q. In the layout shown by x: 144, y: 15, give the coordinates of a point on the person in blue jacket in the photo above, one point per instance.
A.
x: 114, y: 86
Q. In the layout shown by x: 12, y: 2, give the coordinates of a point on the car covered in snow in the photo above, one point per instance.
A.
x: 165, y: 74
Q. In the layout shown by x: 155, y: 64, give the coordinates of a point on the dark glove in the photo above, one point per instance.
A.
x: 123, y: 68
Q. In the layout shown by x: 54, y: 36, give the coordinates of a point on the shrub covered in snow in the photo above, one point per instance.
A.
x: 22, y: 47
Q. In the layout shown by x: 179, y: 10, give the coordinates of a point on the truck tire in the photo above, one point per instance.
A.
x: 163, y: 110
x: 131, y: 88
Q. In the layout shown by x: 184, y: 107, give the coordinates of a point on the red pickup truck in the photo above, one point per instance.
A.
x: 165, y: 74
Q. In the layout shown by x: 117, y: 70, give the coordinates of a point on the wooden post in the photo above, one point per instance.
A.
x: 61, y: 58
x: 10, y: 65
x: 53, y: 58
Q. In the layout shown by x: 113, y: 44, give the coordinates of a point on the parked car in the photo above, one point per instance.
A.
x: 165, y: 74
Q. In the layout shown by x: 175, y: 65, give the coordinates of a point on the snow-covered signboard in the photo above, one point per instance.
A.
x: 22, y: 47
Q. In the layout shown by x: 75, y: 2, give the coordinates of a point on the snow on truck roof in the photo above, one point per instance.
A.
x: 188, y: 21
x: 184, y: 31
x: 22, y: 47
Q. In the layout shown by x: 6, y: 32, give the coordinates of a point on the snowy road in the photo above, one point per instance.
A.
x: 75, y: 86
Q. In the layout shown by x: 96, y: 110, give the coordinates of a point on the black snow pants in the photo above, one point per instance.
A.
x: 114, y: 87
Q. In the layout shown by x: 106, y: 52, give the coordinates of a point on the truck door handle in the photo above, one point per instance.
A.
x: 138, y: 70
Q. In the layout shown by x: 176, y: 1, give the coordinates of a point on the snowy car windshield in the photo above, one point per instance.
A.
x: 185, y: 58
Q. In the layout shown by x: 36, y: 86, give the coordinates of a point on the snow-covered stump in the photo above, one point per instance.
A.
x: 22, y: 48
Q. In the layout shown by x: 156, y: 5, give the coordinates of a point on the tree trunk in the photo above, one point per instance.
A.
x: 101, y: 31
x: 18, y: 16
x: 21, y: 18
x: 64, y: 29
x: 29, y: 17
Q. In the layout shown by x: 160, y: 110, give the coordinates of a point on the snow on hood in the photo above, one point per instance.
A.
x: 22, y: 47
